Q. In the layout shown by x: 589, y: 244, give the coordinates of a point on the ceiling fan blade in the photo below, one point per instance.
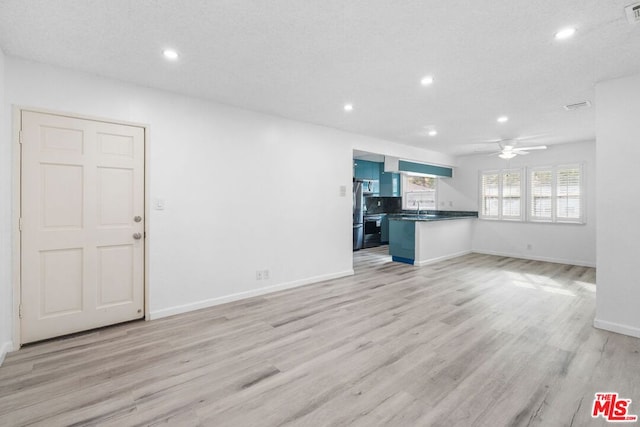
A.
x: 507, y: 141
x: 485, y: 142
x: 533, y: 136
x: 520, y: 152
x: 537, y: 147
x: 485, y: 149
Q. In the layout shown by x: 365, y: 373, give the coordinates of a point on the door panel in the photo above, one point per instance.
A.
x: 82, y: 184
x: 60, y: 282
x: 62, y: 196
x: 115, y: 183
x: 116, y: 284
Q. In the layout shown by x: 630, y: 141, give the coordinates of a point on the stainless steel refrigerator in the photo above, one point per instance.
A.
x: 358, y: 215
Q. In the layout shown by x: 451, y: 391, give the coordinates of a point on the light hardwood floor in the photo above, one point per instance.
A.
x: 476, y: 340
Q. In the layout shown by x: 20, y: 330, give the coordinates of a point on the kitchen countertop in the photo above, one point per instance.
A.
x: 433, y: 216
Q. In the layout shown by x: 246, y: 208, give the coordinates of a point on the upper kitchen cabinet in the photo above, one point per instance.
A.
x: 389, y: 183
x: 393, y: 164
x: 364, y: 169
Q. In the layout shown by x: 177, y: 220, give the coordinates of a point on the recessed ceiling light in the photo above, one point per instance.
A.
x: 433, y: 132
x: 426, y: 80
x: 503, y: 119
x: 348, y: 107
x: 170, y: 54
x: 565, y: 33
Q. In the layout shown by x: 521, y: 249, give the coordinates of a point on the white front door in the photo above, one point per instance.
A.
x: 82, y: 219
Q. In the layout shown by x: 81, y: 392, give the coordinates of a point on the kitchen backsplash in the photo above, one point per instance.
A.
x: 375, y: 205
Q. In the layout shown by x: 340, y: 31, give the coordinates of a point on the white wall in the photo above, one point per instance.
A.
x: 5, y: 223
x: 243, y: 190
x: 618, y: 154
x: 453, y: 239
x: 565, y: 243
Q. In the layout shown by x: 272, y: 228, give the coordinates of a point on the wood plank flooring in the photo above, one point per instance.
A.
x: 476, y: 340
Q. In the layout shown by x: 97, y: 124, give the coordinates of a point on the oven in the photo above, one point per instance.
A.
x: 372, y: 230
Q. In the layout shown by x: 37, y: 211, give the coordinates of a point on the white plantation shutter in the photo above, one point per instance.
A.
x: 501, y: 194
x: 541, y: 194
x: 490, y: 194
x: 569, y: 193
x: 554, y: 194
x: 512, y: 194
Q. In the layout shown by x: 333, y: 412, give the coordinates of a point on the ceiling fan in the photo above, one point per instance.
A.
x: 509, y: 149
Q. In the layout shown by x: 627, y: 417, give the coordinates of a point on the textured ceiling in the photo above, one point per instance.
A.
x: 303, y: 59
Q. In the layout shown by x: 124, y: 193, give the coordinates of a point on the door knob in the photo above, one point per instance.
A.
x: 137, y: 218
x: 137, y: 236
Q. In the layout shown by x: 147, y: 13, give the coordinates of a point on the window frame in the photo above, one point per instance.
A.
x: 554, y: 194
x: 403, y: 178
x: 500, y: 216
x: 530, y: 216
x: 526, y: 194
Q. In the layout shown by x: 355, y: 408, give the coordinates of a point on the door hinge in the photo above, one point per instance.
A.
x: 19, y: 137
x: 20, y: 224
x: 20, y: 311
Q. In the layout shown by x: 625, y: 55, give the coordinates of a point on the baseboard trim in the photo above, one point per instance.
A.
x: 184, y: 308
x: 440, y: 258
x: 403, y: 260
x: 617, y: 328
x: 5, y: 348
x: 536, y: 258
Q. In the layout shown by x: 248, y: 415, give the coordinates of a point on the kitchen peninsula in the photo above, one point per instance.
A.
x: 430, y: 237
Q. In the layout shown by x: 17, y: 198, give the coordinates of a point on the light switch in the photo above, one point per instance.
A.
x: 343, y: 191
x: 158, y: 204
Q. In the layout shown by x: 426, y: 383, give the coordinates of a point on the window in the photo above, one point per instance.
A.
x: 419, y: 190
x: 569, y: 193
x: 556, y: 194
x: 490, y: 195
x: 512, y: 194
x: 541, y: 194
x: 501, y: 194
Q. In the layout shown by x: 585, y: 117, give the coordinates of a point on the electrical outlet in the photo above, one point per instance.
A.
x: 259, y: 274
x: 379, y: 203
x: 450, y: 203
x: 265, y: 275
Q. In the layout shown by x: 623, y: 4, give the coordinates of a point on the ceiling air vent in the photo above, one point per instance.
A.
x: 633, y: 13
x: 577, y: 106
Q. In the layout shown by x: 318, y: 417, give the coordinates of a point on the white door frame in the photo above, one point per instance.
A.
x: 16, y: 208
